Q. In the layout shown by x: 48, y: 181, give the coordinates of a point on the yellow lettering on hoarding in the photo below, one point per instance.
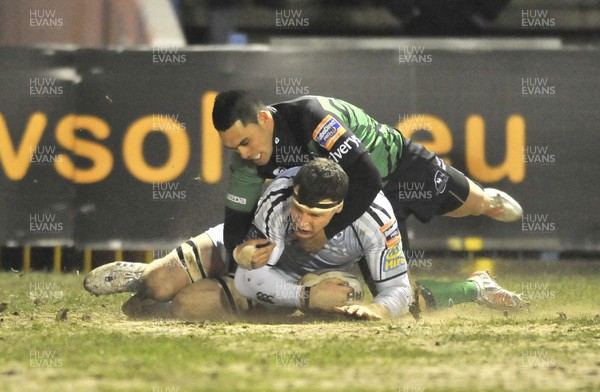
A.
x: 212, y: 150
x: 513, y: 166
x: 16, y: 161
x: 101, y: 157
x: 15, y: 156
x: 133, y: 149
x: 441, y: 137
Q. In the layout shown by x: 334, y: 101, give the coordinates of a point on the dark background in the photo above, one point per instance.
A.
x: 454, y: 85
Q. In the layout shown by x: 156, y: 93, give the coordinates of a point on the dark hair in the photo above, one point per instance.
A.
x: 231, y: 106
x: 321, y: 179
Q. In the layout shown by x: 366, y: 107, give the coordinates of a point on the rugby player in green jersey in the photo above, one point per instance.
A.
x: 270, y: 139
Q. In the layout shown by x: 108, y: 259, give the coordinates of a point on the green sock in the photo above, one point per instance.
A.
x: 446, y: 294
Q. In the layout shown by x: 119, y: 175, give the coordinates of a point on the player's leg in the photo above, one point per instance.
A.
x: 209, y: 299
x: 190, y: 262
x: 198, y: 258
x: 206, y: 299
x: 480, y: 287
x: 140, y: 306
x: 424, y: 185
x: 488, y: 201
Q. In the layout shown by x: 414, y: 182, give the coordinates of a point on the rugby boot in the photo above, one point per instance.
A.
x: 503, y: 207
x: 112, y: 278
x: 492, y: 295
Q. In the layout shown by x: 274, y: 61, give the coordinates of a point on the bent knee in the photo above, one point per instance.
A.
x: 204, y: 300
x: 159, y: 285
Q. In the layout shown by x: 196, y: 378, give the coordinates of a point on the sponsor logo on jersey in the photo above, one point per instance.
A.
x: 344, y: 148
x: 328, y: 132
x: 338, y: 236
x: 440, y: 179
x: 393, y: 258
x: 441, y: 176
x: 391, y: 233
x: 265, y: 298
x: 236, y: 199
x: 278, y: 171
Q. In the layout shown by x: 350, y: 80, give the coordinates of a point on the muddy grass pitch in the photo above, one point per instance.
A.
x: 54, y: 336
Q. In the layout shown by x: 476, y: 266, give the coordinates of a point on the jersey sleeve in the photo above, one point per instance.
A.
x: 244, y: 189
x: 364, y: 184
x: 385, y: 259
x: 268, y: 285
x: 333, y: 137
x: 271, y: 219
x: 245, y: 185
x: 331, y: 133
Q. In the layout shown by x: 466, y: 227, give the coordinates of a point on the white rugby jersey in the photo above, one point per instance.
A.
x: 374, y: 236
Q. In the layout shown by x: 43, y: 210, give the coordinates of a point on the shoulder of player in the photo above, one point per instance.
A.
x: 376, y: 220
x: 241, y: 166
x: 304, y: 102
x: 277, y: 193
x: 280, y: 185
x: 380, y: 210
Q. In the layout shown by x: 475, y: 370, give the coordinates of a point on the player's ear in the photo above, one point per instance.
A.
x: 340, y: 208
x: 263, y: 117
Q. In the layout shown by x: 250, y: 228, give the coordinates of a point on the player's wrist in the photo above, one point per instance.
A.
x: 305, y: 297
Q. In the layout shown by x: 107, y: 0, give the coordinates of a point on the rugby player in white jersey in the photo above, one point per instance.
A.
x: 189, y: 283
x: 295, y: 208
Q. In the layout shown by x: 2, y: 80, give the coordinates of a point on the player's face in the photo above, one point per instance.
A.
x: 308, y: 223
x: 254, y: 142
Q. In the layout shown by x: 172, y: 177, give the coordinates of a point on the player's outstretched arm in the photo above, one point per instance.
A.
x: 271, y: 285
x: 268, y: 285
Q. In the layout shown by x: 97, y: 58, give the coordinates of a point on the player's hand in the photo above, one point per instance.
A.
x: 314, y: 244
x: 329, y: 293
x: 372, y: 311
x: 253, y: 254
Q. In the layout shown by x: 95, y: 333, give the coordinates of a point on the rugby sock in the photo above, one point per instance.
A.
x: 446, y: 294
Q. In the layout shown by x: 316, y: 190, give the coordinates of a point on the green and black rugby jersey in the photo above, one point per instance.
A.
x: 313, y: 126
